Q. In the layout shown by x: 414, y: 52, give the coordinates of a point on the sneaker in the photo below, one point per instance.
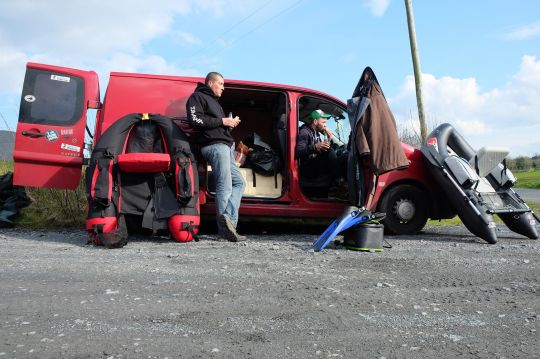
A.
x: 228, y: 231
x: 222, y: 236
x: 240, y: 238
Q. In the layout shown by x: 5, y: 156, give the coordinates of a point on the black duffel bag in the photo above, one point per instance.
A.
x: 262, y: 159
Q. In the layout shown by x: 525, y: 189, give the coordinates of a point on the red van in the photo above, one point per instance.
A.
x: 50, y: 140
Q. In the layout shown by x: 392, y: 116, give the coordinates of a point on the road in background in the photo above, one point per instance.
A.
x: 529, y: 194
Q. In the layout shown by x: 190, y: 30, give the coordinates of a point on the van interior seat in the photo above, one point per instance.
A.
x: 257, y: 185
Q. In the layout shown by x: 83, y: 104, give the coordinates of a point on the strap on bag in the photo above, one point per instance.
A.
x: 183, y: 178
x: 190, y: 227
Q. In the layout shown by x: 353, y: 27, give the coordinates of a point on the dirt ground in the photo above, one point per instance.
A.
x: 443, y: 293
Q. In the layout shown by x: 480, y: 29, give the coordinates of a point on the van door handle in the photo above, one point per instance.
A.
x: 32, y: 134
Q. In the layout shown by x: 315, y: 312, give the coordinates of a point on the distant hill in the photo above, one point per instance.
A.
x: 7, y: 141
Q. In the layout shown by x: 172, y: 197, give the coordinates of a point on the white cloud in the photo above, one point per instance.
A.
x: 11, y: 66
x: 152, y: 64
x: 91, y: 34
x: 497, y: 116
x: 98, y: 35
x: 64, y: 28
x: 86, y: 33
x: 60, y: 33
x: 472, y: 127
x: 377, y: 7
x: 445, y: 100
x: 524, y: 32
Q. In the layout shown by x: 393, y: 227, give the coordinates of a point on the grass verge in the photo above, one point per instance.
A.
x: 535, y: 206
x: 6, y: 166
x: 54, y: 208
x: 529, y: 179
x: 51, y: 208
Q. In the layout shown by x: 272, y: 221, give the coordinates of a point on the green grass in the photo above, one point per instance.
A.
x: 54, y: 208
x: 528, y: 179
x: 6, y: 166
x: 444, y: 222
x: 51, y: 208
x: 535, y: 206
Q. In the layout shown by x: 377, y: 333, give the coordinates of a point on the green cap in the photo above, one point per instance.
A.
x: 316, y: 114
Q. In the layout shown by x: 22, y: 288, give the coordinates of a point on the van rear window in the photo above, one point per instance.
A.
x: 51, y: 98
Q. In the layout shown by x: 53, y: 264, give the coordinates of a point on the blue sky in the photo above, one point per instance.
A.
x: 480, y: 60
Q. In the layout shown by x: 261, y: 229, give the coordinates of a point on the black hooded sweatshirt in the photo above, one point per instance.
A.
x: 205, y: 115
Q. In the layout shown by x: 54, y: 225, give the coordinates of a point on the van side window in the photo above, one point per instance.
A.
x: 338, y: 123
x: 50, y: 98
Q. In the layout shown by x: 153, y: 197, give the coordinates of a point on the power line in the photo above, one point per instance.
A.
x: 3, y: 118
x: 249, y: 32
x: 267, y: 21
x: 233, y: 27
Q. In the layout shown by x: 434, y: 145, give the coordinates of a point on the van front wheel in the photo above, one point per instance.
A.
x: 406, y: 209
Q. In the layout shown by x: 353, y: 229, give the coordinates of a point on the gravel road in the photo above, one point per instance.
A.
x: 443, y: 294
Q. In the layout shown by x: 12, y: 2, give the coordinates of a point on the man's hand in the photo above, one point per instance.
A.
x: 231, y: 122
x: 321, y: 146
x: 328, y: 133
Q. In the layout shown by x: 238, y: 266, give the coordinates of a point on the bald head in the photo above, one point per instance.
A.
x: 215, y: 81
x: 212, y: 76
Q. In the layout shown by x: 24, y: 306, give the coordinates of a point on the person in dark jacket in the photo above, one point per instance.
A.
x: 314, y: 150
x: 205, y: 114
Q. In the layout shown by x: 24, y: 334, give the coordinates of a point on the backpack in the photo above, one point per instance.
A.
x: 262, y: 158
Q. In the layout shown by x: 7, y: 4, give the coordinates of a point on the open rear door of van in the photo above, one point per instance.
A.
x: 49, y: 143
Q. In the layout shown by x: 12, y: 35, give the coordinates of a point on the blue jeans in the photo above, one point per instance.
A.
x: 229, y: 181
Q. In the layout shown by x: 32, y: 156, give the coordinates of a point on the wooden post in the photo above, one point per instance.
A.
x: 417, y: 72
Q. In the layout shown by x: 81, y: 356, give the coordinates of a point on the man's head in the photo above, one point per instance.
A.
x: 215, y: 81
x: 318, y: 120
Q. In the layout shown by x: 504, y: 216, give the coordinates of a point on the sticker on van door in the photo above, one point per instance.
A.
x: 60, y: 78
x: 51, y: 135
x: 69, y: 147
x: 29, y: 98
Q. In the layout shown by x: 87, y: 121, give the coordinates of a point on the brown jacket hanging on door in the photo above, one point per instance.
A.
x: 376, y: 135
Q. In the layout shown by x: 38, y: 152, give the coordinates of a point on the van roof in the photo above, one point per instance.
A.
x: 228, y: 81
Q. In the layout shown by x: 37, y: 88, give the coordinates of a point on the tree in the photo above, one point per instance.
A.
x: 523, y: 163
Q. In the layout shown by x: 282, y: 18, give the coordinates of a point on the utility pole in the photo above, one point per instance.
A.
x: 417, y: 72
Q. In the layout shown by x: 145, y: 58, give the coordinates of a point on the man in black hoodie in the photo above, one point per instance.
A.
x: 205, y: 114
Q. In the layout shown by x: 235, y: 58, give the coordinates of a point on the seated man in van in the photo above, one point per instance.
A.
x: 318, y: 161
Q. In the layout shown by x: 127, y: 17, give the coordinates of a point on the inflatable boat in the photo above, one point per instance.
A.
x: 477, y: 184
x: 142, y: 167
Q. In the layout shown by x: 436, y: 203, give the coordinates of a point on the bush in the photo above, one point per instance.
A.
x: 51, y: 208
x: 54, y: 208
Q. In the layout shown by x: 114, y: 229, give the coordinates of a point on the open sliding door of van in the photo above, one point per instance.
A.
x: 49, y: 142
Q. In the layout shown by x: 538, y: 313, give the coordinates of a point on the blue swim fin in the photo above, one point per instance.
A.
x: 351, y: 216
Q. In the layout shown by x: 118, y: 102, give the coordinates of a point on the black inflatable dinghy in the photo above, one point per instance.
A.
x: 477, y: 184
